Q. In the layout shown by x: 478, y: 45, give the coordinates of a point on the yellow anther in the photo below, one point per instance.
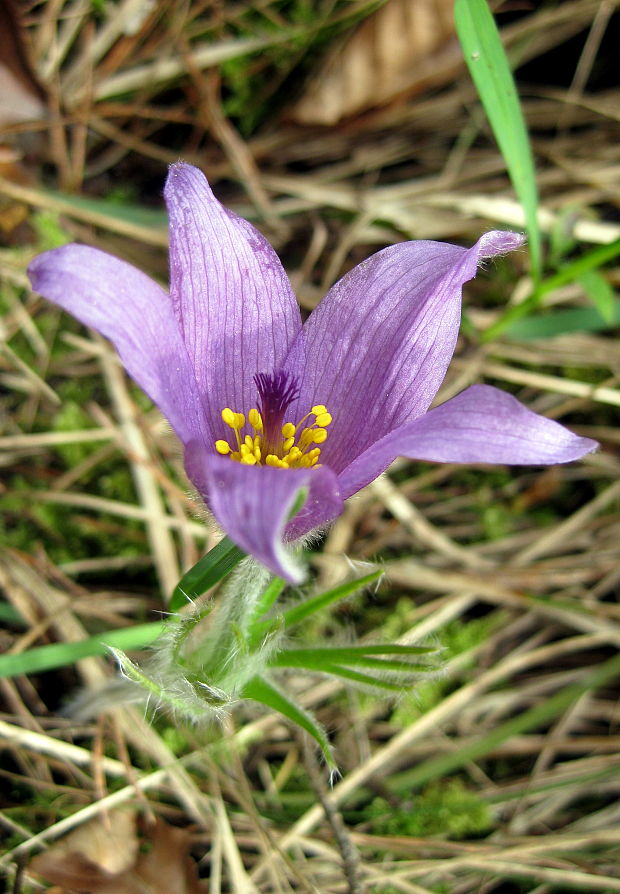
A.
x: 255, y: 419
x: 235, y: 420
x: 295, y: 450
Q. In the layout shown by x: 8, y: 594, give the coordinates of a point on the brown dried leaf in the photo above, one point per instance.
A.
x: 21, y: 97
x: 102, y: 857
x: 406, y: 46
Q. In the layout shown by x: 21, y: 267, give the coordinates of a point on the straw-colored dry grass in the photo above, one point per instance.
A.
x: 515, y: 572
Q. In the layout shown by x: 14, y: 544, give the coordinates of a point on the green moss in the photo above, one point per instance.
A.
x: 444, y: 808
x: 49, y: 230
x: 72, y: 417
x: 175, y: 739
x: 497, y: 521
x: 455, y: 638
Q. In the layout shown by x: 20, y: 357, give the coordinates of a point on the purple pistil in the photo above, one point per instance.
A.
x: 276, y: 391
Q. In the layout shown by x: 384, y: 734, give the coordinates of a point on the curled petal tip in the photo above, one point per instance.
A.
x: 499, y: 242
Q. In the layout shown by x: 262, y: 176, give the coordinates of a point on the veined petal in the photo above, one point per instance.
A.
x: 378, y: 346
x: 480, y: 425
x: 232, y: 299
x: 252, y: 504
x: 131, y: 310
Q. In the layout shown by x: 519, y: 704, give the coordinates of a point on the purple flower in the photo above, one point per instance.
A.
x: 264, y: 405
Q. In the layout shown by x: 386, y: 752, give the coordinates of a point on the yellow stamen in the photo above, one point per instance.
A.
x: 256, y: 420
x: 236, y: 421
x: 294, y: 451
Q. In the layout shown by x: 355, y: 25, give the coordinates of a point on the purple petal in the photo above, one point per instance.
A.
x: 132, y: 311
x: 252, y: 504
x: 480, y: 425
x: 378, y: 346
x: 232, y: 299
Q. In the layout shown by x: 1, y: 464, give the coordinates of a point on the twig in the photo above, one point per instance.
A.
x: 349, y: 853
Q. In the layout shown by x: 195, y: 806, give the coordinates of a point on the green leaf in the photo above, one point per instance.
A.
x: 337, y: 670
x: 299, y: 502
x: 264, y: 692
x: 302, y: 611
x: 44, y: 658
x: 358, y: 656
x: 258, y: 629
x: 490, y: 72
x: 217, y: 563
x: 600, y: 293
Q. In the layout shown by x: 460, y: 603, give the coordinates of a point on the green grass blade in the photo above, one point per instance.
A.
x: 439, y: 766
x: 599, y: 292
x: 600, y: 255
x: 217, y: 563
x: 45, y: 658
x: 302, y: 611
x: 10, y: 615
x: 264, y: 692
x: 560, y: 322
x: 490, y: 72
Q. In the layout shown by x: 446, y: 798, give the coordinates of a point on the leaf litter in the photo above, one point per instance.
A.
x: 116, y: 854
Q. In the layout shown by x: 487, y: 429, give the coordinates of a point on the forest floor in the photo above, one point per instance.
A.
x: 499, y: 772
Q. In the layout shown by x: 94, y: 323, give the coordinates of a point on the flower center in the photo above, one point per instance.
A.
x: 266, y: 439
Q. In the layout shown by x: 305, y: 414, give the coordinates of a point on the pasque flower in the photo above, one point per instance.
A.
x: 265, y: 406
